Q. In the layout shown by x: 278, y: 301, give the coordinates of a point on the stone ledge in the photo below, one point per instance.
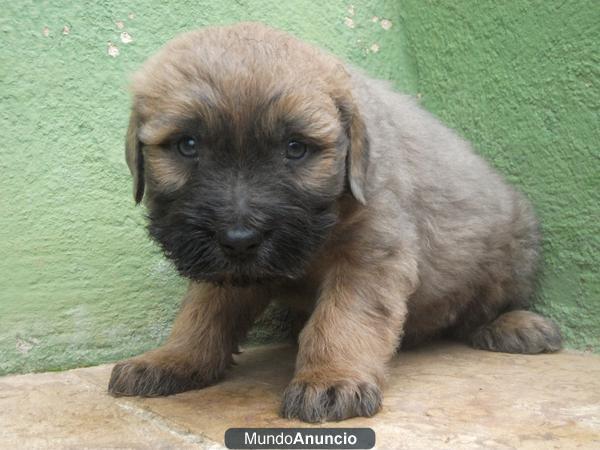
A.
x: 441, y: 396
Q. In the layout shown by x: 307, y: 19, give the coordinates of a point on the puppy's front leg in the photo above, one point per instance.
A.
x: 206, y: 332
x: 344, y: 347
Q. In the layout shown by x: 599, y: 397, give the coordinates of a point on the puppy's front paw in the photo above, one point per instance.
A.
x: 153, y: 376
x: 313, y: 401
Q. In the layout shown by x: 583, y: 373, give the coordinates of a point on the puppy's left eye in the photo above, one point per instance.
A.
x: 295, y: 150
x: 188, y: 146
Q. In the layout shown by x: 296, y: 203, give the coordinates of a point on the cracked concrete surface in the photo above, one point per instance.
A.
x: 440, y: 396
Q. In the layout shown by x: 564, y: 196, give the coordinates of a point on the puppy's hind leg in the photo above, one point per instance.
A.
x: 517, y: 331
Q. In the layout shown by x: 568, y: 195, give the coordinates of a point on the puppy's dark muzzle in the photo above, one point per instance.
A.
x: 240, y: 242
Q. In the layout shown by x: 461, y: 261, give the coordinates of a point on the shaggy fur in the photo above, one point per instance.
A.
x: 389, y: 230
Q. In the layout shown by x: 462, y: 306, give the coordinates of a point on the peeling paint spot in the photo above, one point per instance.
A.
x: 120, y: 24
x: 385, y: 24
x: 66, y: 30
x: 112, y: 50
x: 23, y: 346
x: 351, y: 10
x: 126, y: 37
x: 375, y: 19
x: 162, y: 269
x: 46, y: 31
x: 349, y: 22
x: 131, y: 16
x: 374, y: 48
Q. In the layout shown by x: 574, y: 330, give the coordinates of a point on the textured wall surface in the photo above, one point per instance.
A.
x: 521, y: 80
x: 80, y: 283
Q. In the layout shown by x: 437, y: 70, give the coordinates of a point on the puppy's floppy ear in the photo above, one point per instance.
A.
x: 357, y: 158
x: 135, y: 158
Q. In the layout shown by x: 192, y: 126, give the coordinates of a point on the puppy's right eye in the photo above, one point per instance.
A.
x: 188, y: 146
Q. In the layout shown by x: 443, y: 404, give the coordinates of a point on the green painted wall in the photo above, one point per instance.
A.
x: 521, y: 79
x: 80, y: 283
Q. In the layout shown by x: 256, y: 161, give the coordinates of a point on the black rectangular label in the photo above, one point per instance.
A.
x: 299, y: 438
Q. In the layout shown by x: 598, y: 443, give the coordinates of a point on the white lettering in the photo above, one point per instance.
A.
x: 249, y: 440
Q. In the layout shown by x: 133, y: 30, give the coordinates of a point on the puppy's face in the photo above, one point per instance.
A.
x: 242, y: 140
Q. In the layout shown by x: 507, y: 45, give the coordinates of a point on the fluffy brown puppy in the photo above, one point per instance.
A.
x: 273, y: 170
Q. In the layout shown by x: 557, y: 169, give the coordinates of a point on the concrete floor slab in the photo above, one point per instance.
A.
x: 440, y: 396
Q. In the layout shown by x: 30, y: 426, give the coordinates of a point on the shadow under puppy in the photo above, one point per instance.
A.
x: 270, y: 169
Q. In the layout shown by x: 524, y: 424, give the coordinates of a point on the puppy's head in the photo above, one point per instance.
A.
x: 243, y: 139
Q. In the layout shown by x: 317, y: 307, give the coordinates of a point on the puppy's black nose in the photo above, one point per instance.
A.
x: 240, y: 241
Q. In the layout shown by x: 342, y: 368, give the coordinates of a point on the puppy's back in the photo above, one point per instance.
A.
x: 471, y: 226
